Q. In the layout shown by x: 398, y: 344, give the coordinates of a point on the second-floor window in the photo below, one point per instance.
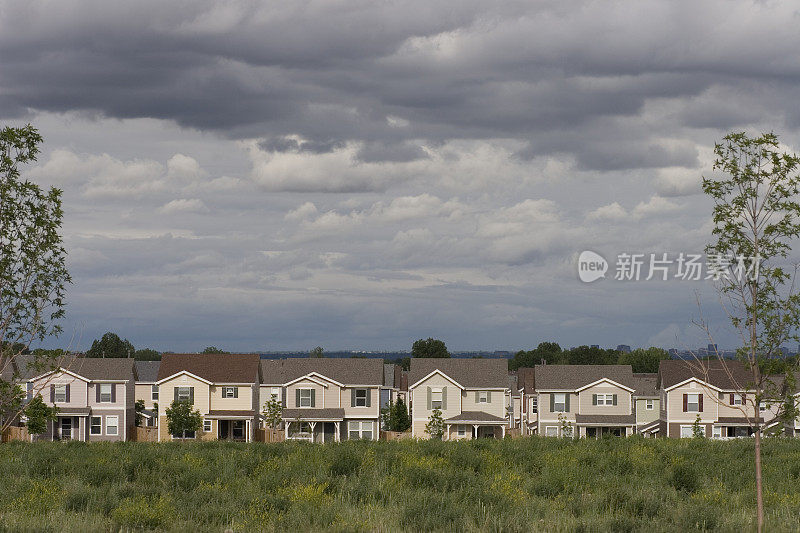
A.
x: 693, y: 403
x: 105, y: 392
x: 559, y: 402
x: 184, y: 394
x: 483, y: 396
x: 360, y: 398
x: 436, y: 399
x: 154, y: 393
x: 276, y: 393
x: 605, y: 399
x: 763, y: 406
x: 230, y: 392
x: 649, y: 405
x: 306, y: 397
x: 60, y: 393
x: 534, y: 405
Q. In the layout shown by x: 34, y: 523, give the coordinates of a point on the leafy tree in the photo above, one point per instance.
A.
x: 432, y: 348
x: 590, y: 355
x: 756, y: 216
x: 644, y: 360
x: 33, y: 272
x: 395, y: 416
x: 548, y: 352
x: 567, y: 430
x: 182, y: 418
x: 317, y: 352
x: 38, y: 414
x: 139, y: 406
x: 213, y: 349
x: 110, y: 345
x: 435, y: 425
x: 273, y: 412
x: 697, y: 429
x: 147, y: 354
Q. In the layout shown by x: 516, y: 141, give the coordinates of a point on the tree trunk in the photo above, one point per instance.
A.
x: 759, y: 490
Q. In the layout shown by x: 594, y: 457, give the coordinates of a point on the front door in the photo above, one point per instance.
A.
x: 329, y: 432
x: 591, y: 432
x: 224, y: 429
x: 66, y: 428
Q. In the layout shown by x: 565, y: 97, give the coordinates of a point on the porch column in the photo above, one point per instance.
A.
x: 475, y: 426
x: 288, y: 423
x: 502, y: 432
x: 447, y: 428
x: 312, y: 425
x: 247, y: 437
x: 338, y: 436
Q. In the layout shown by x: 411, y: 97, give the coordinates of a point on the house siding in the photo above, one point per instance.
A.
x: 585, y: 406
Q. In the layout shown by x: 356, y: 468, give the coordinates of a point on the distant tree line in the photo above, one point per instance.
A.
x: 641, y: 359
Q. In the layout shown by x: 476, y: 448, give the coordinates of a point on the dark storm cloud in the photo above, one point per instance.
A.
x: 337, y: 71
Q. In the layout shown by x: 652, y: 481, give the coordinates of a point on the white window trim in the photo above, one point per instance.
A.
x: 605, y: 399
x: 56, y: 393
x: 302, y: 397
x: 154, y: 393
x: 275, y: 393
x: 207, y: 423
x: 737, y: 399
x: 547, y: 431
x: 116, y: 433
x: 690, y: 427
x: 105, y: 395
x: 434, y: 401
x: 689, y: 403
x: 362, y: 427
x: 563, y: 403
x: 227, y: 390
x: 483, y: 396
x: 649, y: 405
x: 360, y: 399
x: 461, y: 430
x: 188, y: 394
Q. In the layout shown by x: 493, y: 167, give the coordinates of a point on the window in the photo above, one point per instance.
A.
x: 716, y: 432
x: 462, y: 431
x: 534, y: 405
x: 436, y: 399
x: 737, y: 399
x: 361, y: 398
x: 230, y: 392
x: 693, y: 403
x: 687, y: 432
x: 305, y: 398
x: 95, y: 426
x: 186, y: 435
x: 483, y: 397
x: 551, y: 431
x: 207, y: 425
x: 359, y: 429
x: 276, y: 393
x: 649, y: 405
x: 763, y: 406
x: 183, y: 394
x: 105, y: 392
x: 112, y: 425
x: 154, y: 393
x: 60, y: 393
x: 559, y: 403
x: 238, y: 429
x: 605, y: 399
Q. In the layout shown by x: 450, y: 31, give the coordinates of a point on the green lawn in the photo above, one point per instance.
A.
x: 513, y: 485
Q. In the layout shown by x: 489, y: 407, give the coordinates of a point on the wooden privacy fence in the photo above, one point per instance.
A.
x: 269, y: 435
x: 395, y: 435
x: 16, y: 433
x: 145, y: 434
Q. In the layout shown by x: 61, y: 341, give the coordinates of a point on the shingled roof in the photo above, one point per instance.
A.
x: 147, y: 371
x: 472, y: 373
x: 348, y: 371
x: 571, y: 377
x: 645, y: 385
x: 526, y: 380
x: 728, y: 375
x: 93, y: 369
x: 217, y: 368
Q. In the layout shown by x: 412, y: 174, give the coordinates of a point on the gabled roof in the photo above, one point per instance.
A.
x: 147, y: 371
x: 645, y: 385
x: 526, y: 380
x: 348, y: 371
x: 469, y: 373
x: 216, y: 368
x: 573, y: 377
x: 728, y: 375
x: 95, y: 369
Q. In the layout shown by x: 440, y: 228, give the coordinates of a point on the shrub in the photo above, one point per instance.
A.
x: 143, y: 512
x: 684, y: 478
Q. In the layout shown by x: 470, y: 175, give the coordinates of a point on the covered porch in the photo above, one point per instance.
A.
x: 313, y: 425
x: 728, y: 428
x: 475, y: 425
x: 70, y: 424
x: 233, y: 425
x: 598, y: 426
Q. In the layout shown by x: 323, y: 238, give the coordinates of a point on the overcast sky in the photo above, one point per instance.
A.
x: 358, y: 175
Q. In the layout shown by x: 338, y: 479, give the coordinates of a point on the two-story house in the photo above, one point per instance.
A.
x: 224, y: 388
x: 147, y: 390
x: 94, y: 397
x: 326, y: 399
x: 585, y: 400
x: 647, y: 404
x: 714, y: 395
x: 473, y: 396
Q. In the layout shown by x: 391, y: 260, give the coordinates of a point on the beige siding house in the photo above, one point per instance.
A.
x: 472, y: 394
x: 94, y: 397
x: 224, y: 388
x: 714, y: 395
x: 326, y: 399
x: 585, y: 400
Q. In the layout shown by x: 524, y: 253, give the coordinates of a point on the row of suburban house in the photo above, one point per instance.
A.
x: 329, y: 400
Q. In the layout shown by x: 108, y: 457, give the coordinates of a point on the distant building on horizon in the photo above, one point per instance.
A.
x: 624, y: 348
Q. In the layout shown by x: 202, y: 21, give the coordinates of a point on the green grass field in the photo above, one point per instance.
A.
x: 513, y: 485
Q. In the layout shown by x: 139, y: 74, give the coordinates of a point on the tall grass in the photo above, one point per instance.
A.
x: 527, y: 484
